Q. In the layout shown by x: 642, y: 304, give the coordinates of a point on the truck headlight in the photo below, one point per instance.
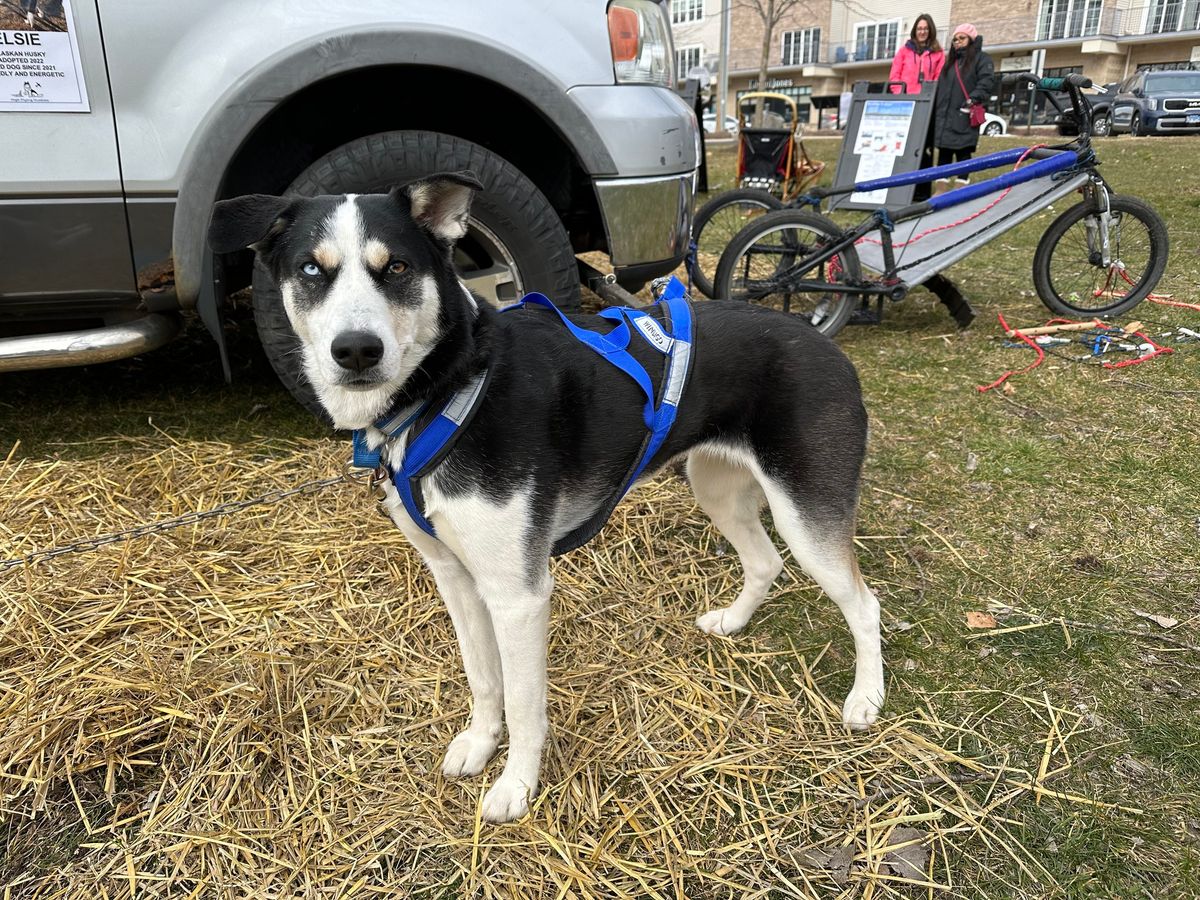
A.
x: 1151, y: 104
x: 640, y: 37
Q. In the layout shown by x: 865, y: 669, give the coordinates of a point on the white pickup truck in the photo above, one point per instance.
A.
x: 122, y: 121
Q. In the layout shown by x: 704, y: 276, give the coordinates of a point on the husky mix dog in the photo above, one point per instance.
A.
x: 772, y: 412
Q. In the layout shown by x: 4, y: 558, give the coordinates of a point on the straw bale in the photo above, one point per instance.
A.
x: 257, y: 705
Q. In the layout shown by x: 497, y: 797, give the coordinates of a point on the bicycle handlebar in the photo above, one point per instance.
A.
x: 1070, y: 84
x: 1049, y: 84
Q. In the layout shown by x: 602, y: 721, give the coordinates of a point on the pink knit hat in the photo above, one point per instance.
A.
x: 969, y: 30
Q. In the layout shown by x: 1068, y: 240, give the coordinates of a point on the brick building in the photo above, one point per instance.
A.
x: 822, y: 47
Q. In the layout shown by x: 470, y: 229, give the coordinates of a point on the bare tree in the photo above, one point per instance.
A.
x: 770, y: 13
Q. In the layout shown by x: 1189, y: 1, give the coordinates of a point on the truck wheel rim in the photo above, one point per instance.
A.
x: 487, y: 266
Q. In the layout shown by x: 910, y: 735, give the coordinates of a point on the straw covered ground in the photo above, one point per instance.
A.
x: 255, y: 705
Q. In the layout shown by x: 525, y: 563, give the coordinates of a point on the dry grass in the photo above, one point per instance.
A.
x: 256, y: 706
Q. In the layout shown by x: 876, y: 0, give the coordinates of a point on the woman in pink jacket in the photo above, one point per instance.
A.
x: 918, y: 61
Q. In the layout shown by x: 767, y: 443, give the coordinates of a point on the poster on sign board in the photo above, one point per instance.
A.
x: 40, y: 70
x: 882, y: 136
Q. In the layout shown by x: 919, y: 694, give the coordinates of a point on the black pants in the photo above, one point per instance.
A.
x: 947, y: 155
x: 924, y: 190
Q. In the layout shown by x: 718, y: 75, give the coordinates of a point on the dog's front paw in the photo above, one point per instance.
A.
x: 468, y: 753
x: 508, y: 799
x: 861, y: 708
x: 721, y: 621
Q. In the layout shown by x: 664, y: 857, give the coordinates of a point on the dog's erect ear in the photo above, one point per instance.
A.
x: 246, y: 221
x: 440, y: 203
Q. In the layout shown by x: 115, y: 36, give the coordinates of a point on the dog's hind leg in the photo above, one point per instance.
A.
x: 825, y: 550
x: 470, y: 750
x: 731, y: 496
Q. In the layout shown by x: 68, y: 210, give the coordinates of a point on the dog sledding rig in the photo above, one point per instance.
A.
x: 1100, y: 258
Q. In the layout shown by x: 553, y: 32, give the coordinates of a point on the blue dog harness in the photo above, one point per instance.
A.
x: 429, y: 443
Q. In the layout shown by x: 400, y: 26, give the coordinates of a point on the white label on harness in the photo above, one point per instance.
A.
x: 654, y: 333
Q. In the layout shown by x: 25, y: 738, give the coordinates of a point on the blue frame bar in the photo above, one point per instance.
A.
x: 1040, y: 169
x: 966, y: 167
x: 992, y: 160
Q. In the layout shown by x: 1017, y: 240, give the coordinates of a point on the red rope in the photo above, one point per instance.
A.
x: 1158, y: 351
x: 1041, y: 355
x: 1163, y: 299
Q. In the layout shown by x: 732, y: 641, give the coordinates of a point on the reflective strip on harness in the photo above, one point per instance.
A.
x: 680, y: 353
x: 364, y: 456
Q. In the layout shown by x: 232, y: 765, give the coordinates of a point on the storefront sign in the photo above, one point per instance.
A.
x: 773, y: 83
x: 1017, y: 64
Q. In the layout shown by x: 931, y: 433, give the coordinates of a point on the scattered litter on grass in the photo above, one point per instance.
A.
x: 1162, y: 621
x: 1107, y: 344
x: 981, y: 620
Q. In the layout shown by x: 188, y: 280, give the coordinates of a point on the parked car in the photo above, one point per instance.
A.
x: 710, y: 123
x: 993, y: 125
x: 571, y: 124
x: 1158, y: 102
x: 1100, y: 100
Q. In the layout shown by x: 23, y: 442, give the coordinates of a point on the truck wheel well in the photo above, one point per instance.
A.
x: 332, y: 112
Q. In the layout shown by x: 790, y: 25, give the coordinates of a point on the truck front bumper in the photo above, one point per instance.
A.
x: 648, y: 222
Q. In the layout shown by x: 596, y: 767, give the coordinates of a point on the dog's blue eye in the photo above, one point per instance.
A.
x: 311, y: 269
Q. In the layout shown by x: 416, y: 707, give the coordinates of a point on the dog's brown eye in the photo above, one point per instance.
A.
x: 395, y: 267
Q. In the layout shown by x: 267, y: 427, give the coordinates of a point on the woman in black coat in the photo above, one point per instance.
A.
x: 952, y: 132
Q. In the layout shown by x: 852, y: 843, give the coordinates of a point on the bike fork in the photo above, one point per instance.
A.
x: 1098, y: 228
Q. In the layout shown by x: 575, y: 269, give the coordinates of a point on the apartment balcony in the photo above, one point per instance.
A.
x: 1081, y: 22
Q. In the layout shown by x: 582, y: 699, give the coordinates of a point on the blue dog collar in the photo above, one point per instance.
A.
x: 391, y: 426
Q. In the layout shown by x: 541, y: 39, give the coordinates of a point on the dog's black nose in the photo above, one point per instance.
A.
x: 356, y: 350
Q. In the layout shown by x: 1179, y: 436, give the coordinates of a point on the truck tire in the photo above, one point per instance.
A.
x: 515, y: 241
